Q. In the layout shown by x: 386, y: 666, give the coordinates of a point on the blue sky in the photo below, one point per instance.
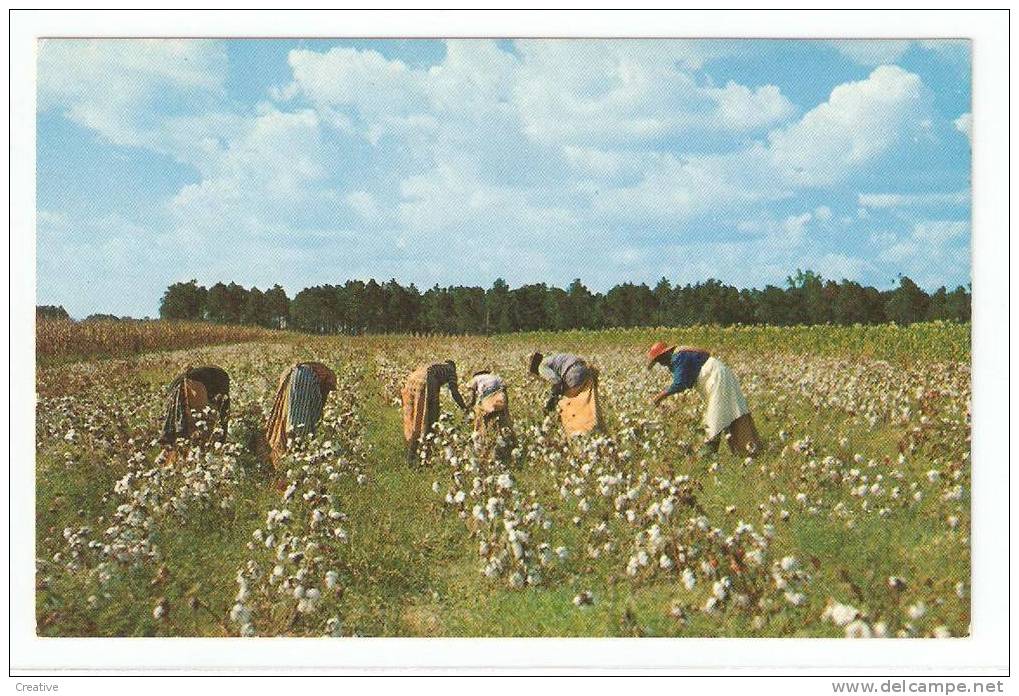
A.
x: 308, y: 161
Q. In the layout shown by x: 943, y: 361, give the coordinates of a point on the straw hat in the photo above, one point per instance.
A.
x: 656, y: 351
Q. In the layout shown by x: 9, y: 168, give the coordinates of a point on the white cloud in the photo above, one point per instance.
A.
x: 362, y: 163
x: 347, y: 77
x: 112, y: 85
x: 742, y: 108
x: 872, y: 52
x: 964, y: 124
x: 940, y: 232
x: 931, y: 253
x: 598, y: 93
x: 363, y: 203
x: 860, y: 122
x: 913, y: 200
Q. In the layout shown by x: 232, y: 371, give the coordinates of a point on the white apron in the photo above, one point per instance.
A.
x: 724, y: 401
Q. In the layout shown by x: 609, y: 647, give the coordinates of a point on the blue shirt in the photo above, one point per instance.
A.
x: 686, y: 367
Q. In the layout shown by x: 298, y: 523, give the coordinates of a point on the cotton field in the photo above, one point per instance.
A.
x: 853, y: 522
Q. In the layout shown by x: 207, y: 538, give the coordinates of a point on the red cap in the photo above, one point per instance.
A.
x: 656, y: 351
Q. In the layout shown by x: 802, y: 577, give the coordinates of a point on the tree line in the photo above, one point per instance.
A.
x: 358, y: 307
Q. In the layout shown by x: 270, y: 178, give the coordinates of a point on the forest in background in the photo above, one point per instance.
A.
x: 359, y: 307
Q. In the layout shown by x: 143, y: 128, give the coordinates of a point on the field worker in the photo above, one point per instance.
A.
x: 297, y: 408
x: 189, y: 394
x: 574, y: 390
x: 726, y: 413
x: 420, y: 398
x: 486, y: 393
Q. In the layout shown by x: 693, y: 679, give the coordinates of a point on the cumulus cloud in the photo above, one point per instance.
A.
x: 858, y: 123
x: 964, y: 124
x: 599, y: 93
x: 113, y: 86
x: 872, y: 52
x: 913, y: 200
x: 463, y: 170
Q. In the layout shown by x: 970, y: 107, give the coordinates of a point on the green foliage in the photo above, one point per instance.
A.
x: 51, y: 312
x: 357, y: 307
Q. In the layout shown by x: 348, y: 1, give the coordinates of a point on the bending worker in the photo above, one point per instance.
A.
x: 188, y: 395
x: 574, y: 390
x: 726, y: 413
x: 486, y: 393
x: 420, y: 397
x: 297, y: 408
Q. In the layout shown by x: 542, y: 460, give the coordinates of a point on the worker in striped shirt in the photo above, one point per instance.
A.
x: 297, y: 408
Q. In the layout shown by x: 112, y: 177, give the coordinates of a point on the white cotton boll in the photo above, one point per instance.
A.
x: 797, y: 599
x: 562, y: 552
x: 960, y: 590
x: 840, y: 614
x: 664, y: 562
x: 585, y: 598
x: 789, y: 564
x: 720, y: 589
x: 858, y: 629
x: 689, y: 579
x: 917, y: 611
x: 332, y: 579
x: 517, y: 580
x: 240, y: 614
x: 933, y: 475
x: 247, y: 630
x: 942, y: 632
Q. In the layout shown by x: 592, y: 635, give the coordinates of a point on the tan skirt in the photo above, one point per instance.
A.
x: 419, y: 413
x: 579, y: 409
x: 276, y: 423
x: 492, y: 412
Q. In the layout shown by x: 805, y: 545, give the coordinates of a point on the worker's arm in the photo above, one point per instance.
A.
x: 472, y: 393
x: 681, y: 381
x: 454, y: 391
x: 554, y: 395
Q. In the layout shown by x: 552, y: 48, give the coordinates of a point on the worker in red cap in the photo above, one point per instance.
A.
x: 726, y: 413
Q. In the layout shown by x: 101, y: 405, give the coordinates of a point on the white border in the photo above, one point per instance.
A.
x: 985, y: 652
